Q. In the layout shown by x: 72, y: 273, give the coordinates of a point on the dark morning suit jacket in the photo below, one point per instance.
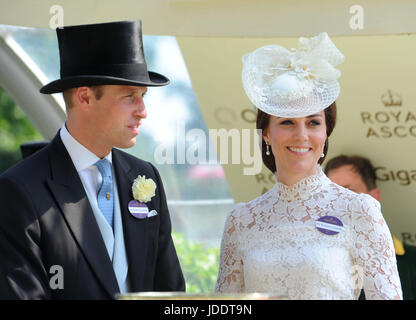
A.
x: 46, y: 220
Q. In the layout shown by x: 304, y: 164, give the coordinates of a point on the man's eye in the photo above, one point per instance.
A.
x: 133, y: 97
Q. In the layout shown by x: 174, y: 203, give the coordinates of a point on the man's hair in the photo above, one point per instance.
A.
x: 98, y: 93
x: 361, y: 165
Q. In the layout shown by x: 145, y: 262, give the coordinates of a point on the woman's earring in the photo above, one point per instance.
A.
x: 322, y: 155
x: 267, y: 149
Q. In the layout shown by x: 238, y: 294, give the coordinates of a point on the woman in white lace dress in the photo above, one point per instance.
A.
x: 306, y: 238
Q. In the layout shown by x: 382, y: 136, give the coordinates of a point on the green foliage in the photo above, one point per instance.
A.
x: 15, y: 129
x: 199, y: 264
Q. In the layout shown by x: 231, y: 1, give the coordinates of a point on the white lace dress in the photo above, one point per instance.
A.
x: 272, y: 245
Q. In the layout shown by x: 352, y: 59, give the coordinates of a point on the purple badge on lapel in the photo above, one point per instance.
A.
x: 329, y: 225
x: 138, y: 209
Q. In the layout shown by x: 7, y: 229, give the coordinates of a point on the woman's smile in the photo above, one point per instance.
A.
x: 299, y: 150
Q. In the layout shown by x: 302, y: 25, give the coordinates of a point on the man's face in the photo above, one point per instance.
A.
x: 117, y: 115
x: 347, y: 177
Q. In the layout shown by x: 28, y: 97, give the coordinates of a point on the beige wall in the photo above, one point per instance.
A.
x: 222, y: 18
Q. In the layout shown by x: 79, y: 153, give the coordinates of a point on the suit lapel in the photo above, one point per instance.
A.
x: 135, y: 231
x: 69, y: 193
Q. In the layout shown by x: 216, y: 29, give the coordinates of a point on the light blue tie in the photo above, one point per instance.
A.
x: 105, y: 195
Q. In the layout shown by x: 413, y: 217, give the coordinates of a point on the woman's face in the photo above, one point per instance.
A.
x: 296, y: 143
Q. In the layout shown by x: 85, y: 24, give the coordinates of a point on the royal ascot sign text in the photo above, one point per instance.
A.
x: 392, y: 121
x: 234, y: 146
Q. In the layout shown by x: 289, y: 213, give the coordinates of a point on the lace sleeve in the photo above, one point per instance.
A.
x: 230, y: 274
x: 373, y: 251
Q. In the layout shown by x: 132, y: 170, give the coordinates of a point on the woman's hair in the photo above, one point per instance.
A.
x: 262, y: 123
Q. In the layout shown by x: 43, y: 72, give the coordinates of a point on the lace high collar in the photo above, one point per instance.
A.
x: 304, y: 188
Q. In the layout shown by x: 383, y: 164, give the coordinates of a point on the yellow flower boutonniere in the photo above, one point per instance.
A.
x: 143, y: 189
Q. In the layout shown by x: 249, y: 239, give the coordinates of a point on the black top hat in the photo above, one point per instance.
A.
x: 104, y: 53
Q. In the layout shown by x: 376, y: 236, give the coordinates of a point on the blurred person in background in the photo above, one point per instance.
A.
x: 358, y: 174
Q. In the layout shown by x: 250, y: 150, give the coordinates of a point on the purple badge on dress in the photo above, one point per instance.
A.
x: 138, y: 209
x: 329, y: 225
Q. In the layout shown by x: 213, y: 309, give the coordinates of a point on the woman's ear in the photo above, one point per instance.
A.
x: 266, y: 136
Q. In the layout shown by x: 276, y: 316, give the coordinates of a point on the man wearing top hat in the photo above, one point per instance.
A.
x: 69, y: 209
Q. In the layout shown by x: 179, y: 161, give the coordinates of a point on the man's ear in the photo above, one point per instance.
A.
x: 375, y: 193
x: 83, y: 97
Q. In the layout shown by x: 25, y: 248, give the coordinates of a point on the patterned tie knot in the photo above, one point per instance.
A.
x: 104, y: 167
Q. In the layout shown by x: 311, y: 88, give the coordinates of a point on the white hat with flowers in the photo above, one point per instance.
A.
x: 294, y: 83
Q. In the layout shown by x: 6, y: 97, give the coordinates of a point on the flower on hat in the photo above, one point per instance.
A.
x: 296, y: 82
x: 309, y: 64
x: 143, y: 189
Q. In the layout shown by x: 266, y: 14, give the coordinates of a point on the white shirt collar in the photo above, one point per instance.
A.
x: 81, y: 156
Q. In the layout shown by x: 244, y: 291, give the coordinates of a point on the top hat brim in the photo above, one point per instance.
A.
x: 60, y: 85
